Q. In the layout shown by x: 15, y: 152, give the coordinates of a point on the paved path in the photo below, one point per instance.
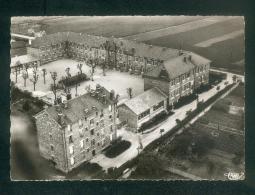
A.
x: 183, y: 174
x: 146, y: 139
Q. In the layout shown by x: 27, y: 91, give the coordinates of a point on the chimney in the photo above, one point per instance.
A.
x: 60, y: 118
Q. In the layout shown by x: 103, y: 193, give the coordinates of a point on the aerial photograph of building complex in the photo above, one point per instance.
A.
x: 127, y: 97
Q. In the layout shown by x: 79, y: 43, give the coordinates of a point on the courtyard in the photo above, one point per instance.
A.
x: 118, y: 81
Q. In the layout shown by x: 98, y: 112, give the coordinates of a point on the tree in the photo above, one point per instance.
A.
x: 34, y: 78
x: 162, y: 131
x: 130, y: 92
x: 16, y: 71
x: 92, y: 71
x: 67, y: 70
x: 25, y: 77
x: 79, y: 66
x: 44, y: 75
x: 76, y: 87
x: 26, y: 66
x: 53, y: 86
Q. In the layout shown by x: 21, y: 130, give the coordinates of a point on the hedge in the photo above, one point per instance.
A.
x: 73, y: 80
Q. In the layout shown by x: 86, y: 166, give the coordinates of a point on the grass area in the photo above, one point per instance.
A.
x: 117, y: 148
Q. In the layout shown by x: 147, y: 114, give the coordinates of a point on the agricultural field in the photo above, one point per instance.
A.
x: 114, y: 26
x: 224, y: 53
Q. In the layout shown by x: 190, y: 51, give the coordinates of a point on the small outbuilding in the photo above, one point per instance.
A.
x: 142, y: 108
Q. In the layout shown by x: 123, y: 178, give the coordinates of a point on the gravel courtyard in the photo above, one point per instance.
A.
x: 118, y: 81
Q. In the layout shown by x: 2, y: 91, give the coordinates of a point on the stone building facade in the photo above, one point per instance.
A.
x: 179, y: 76
x: 142, y: 108
x: 76, y: 130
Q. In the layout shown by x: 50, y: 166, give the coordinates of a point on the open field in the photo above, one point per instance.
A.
x: 212, y: 41
x: 115, y: 26
x: 224, y: 54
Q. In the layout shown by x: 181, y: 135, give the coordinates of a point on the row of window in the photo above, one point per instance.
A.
x: 144, y: 114
x: 159, y: 105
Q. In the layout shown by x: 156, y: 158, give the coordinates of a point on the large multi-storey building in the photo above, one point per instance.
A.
x: 179, y: 76
x: 76, y: 130
x: 114, y: 52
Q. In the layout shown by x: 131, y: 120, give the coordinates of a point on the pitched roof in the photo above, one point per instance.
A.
x: 145, y: 100
x: 141, y: 49
x: 22, y: 59
x: 76, y: 107
x: 178, y: 65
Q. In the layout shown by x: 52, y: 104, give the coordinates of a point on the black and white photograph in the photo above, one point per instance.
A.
x: 127, y: 98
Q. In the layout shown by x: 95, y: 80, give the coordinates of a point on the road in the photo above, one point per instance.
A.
x: 147, y: 138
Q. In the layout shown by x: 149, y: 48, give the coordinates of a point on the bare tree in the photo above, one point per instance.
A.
x: 16, y: 71
x: 34, y: 78
x: 53, y: 86
x: 67, y: 70
x: 130, y: 92
x: 44, y: 75
x: 26, y: 66
x: 79, y: 66
x: 25, y: 77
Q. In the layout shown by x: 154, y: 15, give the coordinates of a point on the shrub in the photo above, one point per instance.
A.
x: 117, y: 148
x: 26, y: 106
x: 154, y: 121
x: 73, y: 79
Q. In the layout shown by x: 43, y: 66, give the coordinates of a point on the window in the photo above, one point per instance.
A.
x: 72, y: 160
x: 92, y: 132
x: 103, y: 142
x: 96, y: 113
x: 81, y: 132
x: 98, y: 144
x: 82, y: 143
x: 93, y: 142
x: 87, y: 139
x: 80, y: 123
x: 143, y: 114
x: 70, y: 139
x: 98, y: 134
x: 87, y: 149
x: 91, y: 121
x: 111, y: 128
x: 110, y: 116
x: 102, y: 114
x: 71, y: 149
x: 97, y: 123
x: 159, y: 105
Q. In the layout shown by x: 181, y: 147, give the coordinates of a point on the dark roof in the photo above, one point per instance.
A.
x: 177, y: 66
x: 145, y: 100
x: 76, y: 107
x: 140, y: 49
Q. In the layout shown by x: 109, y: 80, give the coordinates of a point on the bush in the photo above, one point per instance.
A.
x: 154, y: 121
x: 185, y: 100
x: 26, y: 106
x: 117, y: 148
x: 74, y: 79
